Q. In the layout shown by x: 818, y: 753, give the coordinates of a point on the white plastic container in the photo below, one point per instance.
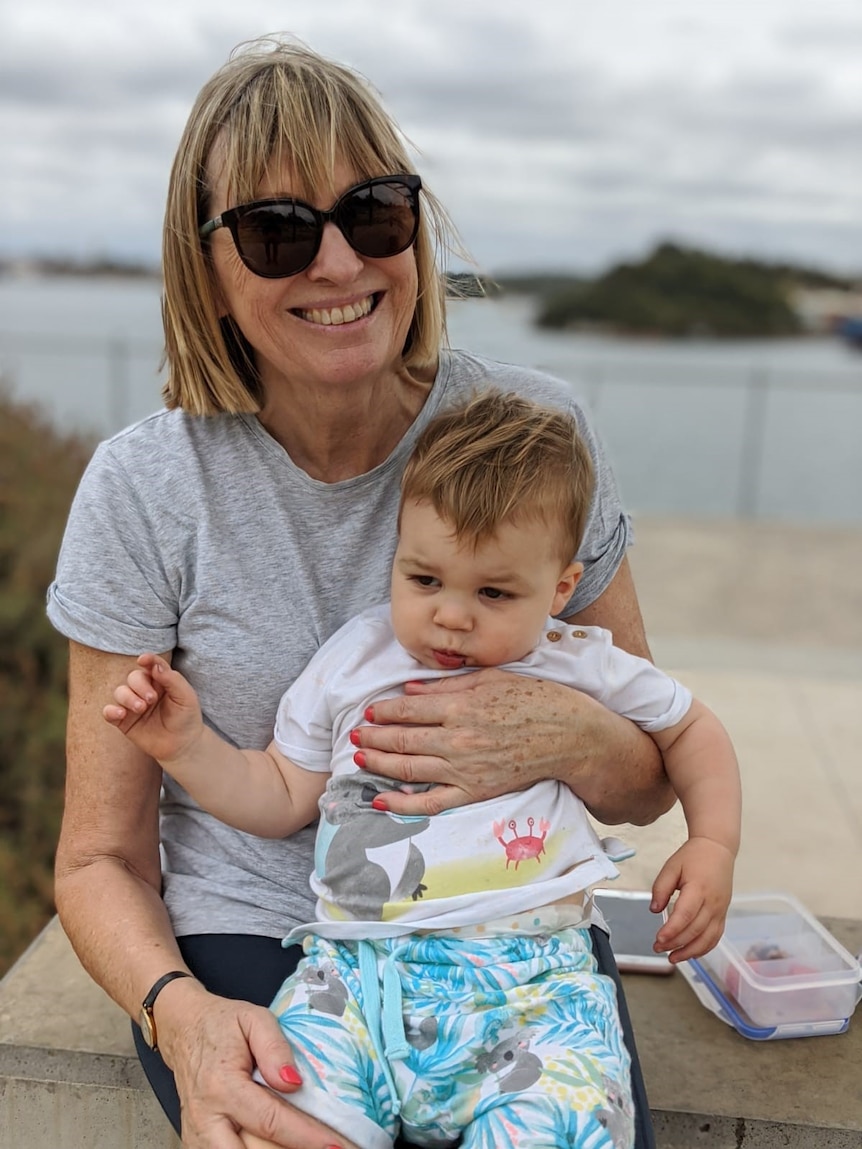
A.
x: 777, y: 972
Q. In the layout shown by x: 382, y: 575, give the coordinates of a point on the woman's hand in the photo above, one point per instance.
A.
x: 475, y: 736
x: 212, y: 1044
x: 480, y: 735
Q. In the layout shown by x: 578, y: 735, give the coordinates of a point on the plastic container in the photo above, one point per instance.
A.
x: 777, y: 972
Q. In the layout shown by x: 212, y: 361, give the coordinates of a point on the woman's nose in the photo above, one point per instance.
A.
x: 335, y: 260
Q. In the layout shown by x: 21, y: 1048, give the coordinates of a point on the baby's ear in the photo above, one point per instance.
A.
x: 566, y: 584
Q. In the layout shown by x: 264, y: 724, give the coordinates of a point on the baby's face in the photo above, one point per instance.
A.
x: 454, y: 605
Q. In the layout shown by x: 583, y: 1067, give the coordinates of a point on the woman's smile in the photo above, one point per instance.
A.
x: 334, y: 315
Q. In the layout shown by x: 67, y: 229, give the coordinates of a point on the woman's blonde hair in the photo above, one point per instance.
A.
x: 500, y: 458
x: 275, y: 102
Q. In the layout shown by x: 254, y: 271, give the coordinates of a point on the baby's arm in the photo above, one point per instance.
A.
x: 258, y: 791
x: 702, y: 768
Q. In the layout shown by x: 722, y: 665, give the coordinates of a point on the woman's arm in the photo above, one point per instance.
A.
x: 108, y: 895
x: 488, y: 733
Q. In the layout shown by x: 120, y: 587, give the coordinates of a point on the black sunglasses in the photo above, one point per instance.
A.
x: 279, y: 237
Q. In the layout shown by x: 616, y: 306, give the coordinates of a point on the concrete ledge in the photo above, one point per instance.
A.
x: 710, y: 1087
x: 69, y: 1077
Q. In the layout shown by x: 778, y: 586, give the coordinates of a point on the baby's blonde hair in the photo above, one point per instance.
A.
x: 500, y: 458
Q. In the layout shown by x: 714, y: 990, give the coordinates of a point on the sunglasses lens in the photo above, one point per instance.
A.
x: 277, y: 239
x: 380, y: 219
x: 281, y: 237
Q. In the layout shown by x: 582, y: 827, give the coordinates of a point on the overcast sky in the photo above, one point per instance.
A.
x: 560, y: 134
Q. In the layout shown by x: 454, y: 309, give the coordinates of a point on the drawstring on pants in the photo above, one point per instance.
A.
x: 386, y: 1027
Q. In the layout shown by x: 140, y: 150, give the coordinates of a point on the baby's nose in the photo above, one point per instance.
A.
x: 453, y: 615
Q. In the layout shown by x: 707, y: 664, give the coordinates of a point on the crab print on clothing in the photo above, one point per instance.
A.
x: 520, y: 849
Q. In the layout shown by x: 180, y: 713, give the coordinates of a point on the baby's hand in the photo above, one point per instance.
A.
x: 156, y: 709
x: 702, y: 871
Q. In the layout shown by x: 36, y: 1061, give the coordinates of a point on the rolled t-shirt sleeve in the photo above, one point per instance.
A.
x: 608, y: 532
x: 113, y: 589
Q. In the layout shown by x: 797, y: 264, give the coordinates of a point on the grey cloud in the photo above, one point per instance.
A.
x: 842, y: 35
x: 607, y: 156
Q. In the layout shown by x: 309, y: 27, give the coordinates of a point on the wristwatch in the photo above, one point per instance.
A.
x: 146, y: 1020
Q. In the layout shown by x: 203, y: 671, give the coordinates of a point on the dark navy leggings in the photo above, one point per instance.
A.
x: 252, y: 969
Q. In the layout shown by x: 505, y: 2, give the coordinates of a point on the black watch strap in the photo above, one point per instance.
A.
x: 146, y: 1020
x: 149, y: 1000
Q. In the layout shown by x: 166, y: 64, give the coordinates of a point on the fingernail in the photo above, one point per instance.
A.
x: 289, y: 1075
x: 369, y: 713
x: 359, y: 759
x: 354, y: 737
x: 378, y: 804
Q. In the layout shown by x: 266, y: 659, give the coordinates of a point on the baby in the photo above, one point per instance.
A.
x: 448, y: 982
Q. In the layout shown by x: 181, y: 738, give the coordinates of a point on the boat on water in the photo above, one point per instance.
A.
x: 849, y: 328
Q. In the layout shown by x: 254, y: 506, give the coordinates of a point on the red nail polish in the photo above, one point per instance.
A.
x: 354, y: 737
x: 378, y: 804
x: 369, y: 713
x: 289, y: 1075
x: 359, y: 759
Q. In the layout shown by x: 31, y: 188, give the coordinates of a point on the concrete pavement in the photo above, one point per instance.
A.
x: 764, y: 623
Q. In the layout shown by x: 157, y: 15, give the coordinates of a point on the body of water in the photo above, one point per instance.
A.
x: 768, y: 429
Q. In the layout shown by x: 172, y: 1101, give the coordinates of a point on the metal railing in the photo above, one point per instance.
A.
x: 745, y: 440
x: 84, y: 383
x: 702, y: 437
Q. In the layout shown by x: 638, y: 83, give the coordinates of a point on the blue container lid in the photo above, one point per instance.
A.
x: 710, y: 995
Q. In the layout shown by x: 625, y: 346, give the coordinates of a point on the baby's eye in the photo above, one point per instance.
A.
x: 424, y: 580
x: 493, y: 593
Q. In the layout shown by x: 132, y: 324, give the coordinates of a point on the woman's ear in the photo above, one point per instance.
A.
x: 566, y: 584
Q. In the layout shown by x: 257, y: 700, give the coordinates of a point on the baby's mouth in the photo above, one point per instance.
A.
x: 449, y: 660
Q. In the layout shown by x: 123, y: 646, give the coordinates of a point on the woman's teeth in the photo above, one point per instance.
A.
x: 335, y: 316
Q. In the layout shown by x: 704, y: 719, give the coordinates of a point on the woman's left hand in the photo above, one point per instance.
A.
x: 476, y: 736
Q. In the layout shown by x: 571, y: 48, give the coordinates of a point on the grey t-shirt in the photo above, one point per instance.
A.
x: 199, y: 535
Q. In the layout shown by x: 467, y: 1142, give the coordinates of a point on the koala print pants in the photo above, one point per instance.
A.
x: 501, y: 1040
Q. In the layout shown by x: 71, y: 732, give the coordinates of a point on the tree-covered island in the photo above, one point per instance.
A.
x: 683, y: 292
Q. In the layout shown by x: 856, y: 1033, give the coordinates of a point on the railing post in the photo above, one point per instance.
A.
x: 595, y: 387
x: 753, y: 435
x: 118, y: 384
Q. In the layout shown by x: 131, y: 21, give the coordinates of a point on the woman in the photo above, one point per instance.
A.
x: 242, y: 526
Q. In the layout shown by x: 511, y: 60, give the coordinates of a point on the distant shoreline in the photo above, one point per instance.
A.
x: 67, y: 269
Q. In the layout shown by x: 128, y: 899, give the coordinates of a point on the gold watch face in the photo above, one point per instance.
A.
x: 148, y: 1028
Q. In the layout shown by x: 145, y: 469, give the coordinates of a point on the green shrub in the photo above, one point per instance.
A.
x: 39, y: 472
